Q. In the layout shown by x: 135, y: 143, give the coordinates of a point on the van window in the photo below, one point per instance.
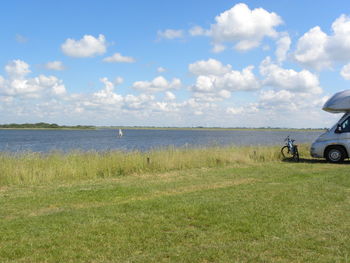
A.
x: 345, y: 126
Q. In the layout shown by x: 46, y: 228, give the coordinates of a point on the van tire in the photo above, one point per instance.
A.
x: 335, y: 154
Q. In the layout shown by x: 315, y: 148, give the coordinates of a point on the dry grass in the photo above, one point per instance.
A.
x: 35, y: 168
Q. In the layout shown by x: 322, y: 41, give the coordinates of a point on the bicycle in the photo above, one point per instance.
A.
x: 290, y: 150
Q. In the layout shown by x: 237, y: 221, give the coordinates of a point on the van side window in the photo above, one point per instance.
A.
x: 345, y: 126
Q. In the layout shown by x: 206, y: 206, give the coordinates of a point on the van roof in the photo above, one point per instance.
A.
x: 339, y: 102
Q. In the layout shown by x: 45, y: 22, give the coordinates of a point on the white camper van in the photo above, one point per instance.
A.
x: 334, y: 145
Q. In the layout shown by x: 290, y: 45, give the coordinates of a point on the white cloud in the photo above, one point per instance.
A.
x: 217, y: 48
x: 161, y: 69
x: 279, y: 78
x: 2, y: 82
x: 106, y: 95
x: 244, y: 27
x: 169, y: 96
x: 288, y: 101
x: 170, y: 34
x: 117, y: 57
x: 216, y: 82
x: 283, y: 45
x: 140, y: 102
x: 157, y: 84
x: 54, y: 65
x: 250, y: 108
x: 277, y: 104
x: 318, y: 50
x: 198, y: 31
x: 239, y: 80
x: 345, y: 72
x: 17, y: 85
x: 235, y: 110
x: 118, y: 81
x: 311, y: 49
x: 17, y: 69
x: 209, y: 67
x: 51, y: 83
x: 88, y: 46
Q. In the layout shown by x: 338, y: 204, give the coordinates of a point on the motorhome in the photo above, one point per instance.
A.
x: 334, y: 145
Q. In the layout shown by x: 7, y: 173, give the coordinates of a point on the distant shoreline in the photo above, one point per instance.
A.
x: 155, y: 128
x: 44, y: 126
x: 211, y: 128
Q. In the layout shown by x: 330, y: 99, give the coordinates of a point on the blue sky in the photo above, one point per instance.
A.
x: 173, y: 63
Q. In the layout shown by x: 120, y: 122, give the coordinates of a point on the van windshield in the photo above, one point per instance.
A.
x: 345, y: 125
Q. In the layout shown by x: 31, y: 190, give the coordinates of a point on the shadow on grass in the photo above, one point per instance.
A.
x: 308, y: 160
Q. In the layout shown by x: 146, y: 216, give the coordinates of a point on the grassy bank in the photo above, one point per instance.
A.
x: 34, y: 168
x: 186, y: 205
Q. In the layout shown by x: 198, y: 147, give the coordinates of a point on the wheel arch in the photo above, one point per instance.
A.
x: 336, y: 146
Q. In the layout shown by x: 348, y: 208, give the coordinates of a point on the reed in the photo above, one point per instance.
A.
x: 35, y: 168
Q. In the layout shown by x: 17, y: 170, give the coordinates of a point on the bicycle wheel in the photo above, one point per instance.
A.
x: 296, y: 154
x: 285, y: 152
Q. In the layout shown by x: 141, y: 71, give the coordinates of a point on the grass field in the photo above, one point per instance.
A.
x: 173, y: 205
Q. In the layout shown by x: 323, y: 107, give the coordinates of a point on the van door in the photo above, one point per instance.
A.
x: 343, y: 129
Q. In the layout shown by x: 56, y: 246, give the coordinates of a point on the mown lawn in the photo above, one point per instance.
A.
x: 258, y: 212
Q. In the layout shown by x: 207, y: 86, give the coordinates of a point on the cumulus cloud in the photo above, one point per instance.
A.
x: 169, y: 96
x: 251, y: 108
x: 117, y: 57
x: 107, y: 95
x: 283, y: 45
x: 54, y: 65
x: 19, y: 85
x: 345, y: 72
x: 157, y: 84
x: 242, y: 27
x: 88, y: 46
x: 279, y: 78
x: 50, y: 83
x: 17, y: 69
x: 140, y: 102
x: 318, y: 50
x: 311, y: 49
x: 170, y: 34
x: 209, y: 67
x: 198, y: 31
x: 235, y: 110
x: 286, y: 100
x: 216, y: 82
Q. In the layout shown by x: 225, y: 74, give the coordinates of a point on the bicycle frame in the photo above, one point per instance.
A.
x: 290, y: 144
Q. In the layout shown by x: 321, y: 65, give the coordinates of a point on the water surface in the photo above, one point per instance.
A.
x: 105, y: 140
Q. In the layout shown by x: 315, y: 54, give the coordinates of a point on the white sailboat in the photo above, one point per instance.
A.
x: 120, y: 133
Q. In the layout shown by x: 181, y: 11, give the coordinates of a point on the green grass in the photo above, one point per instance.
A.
x: 35, y: 168
x: 183, y: 206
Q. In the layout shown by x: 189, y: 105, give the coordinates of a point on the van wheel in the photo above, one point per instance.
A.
x: 335, y: 155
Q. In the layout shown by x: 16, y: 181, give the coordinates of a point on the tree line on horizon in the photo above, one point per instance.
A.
x: 43, y: 125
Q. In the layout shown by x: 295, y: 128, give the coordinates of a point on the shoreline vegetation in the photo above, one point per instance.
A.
x: 43, y: 125
x: 218, y: 204
x: 31, y: 168
x: 49, y: 126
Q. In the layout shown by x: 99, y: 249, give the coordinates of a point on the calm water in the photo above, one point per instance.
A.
x: 104, y: 140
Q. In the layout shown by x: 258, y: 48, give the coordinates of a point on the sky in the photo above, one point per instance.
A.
x: 177, y: 63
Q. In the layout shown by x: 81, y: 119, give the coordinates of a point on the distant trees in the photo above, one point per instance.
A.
x: 42, y: 125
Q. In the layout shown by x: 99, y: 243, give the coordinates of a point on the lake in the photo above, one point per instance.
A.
x: 136, y: 139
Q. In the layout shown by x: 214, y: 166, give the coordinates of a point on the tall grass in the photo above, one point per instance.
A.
x: 35, y: 168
